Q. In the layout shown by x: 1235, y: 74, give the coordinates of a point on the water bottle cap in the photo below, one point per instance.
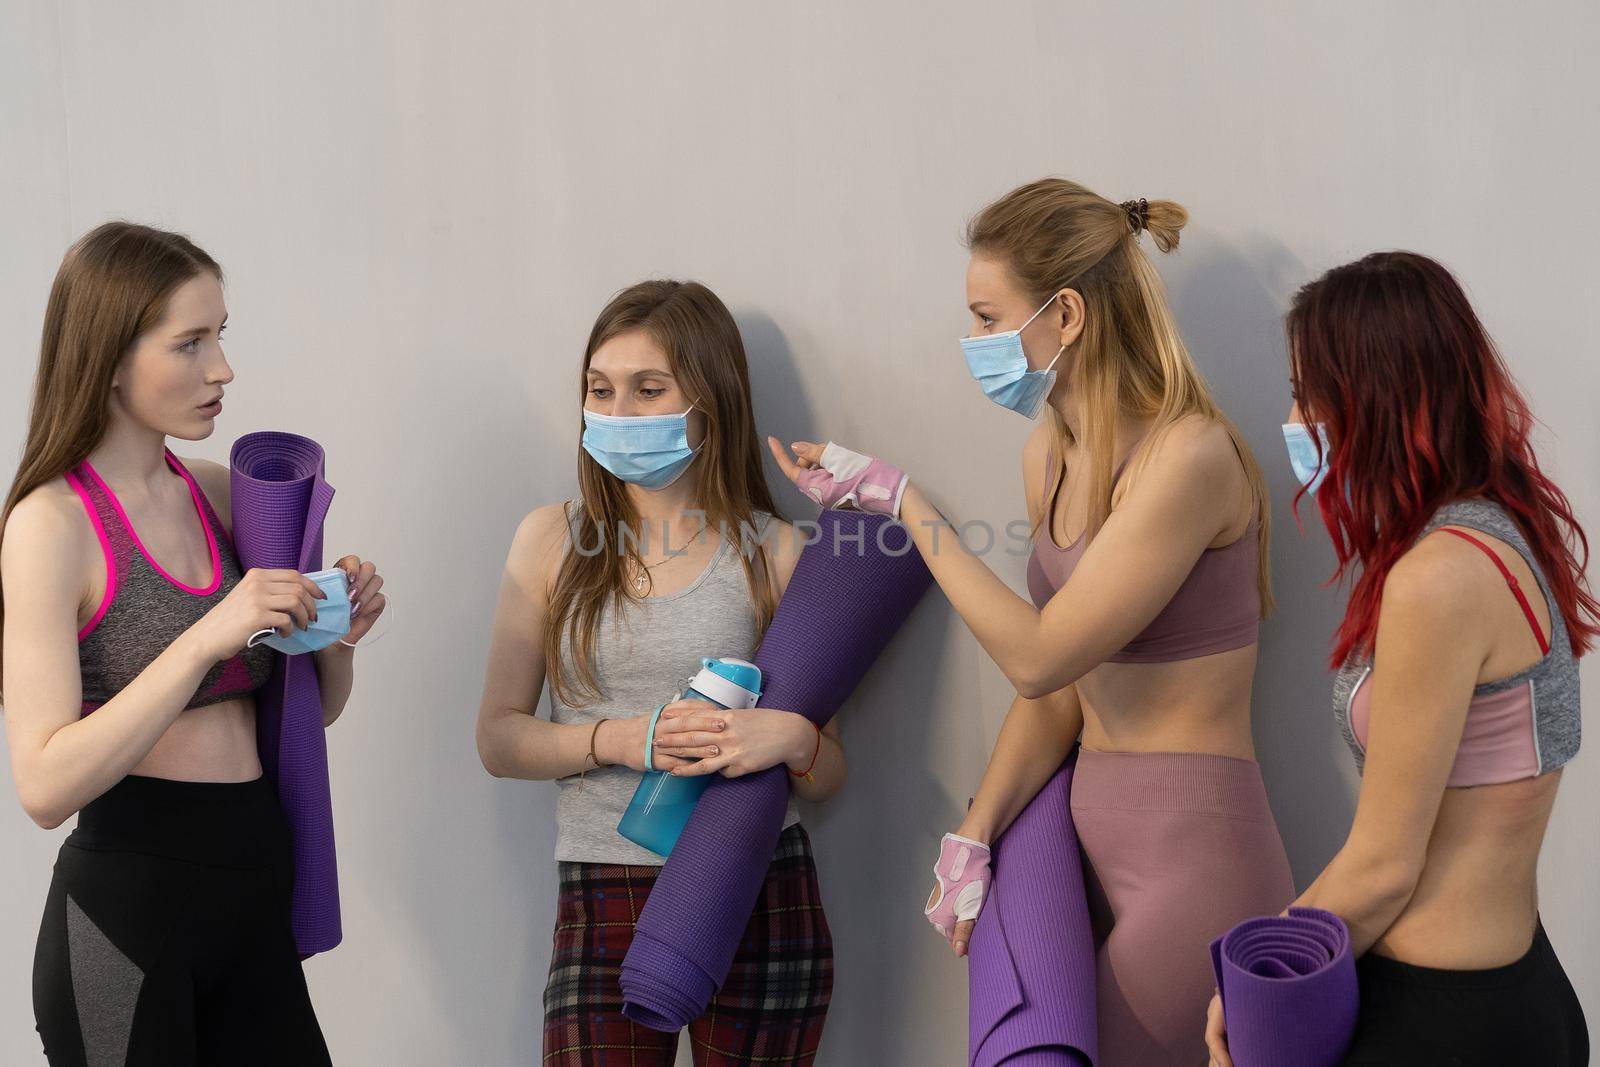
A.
x: 746, y: 676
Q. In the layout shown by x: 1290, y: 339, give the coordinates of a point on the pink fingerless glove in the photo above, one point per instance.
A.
x: 963, y: 875
x: 844, y: 477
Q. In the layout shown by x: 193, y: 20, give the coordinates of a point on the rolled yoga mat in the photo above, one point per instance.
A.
x: 1288, y: 986
x: 1031, y: 962
x: 851, y: 590
x: 280, y: 499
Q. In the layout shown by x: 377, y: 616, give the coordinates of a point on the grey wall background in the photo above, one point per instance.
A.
x: 422, y: 207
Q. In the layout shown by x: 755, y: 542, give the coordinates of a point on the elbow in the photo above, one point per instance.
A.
x: 836, y: 784
x: 1030, y: 689
x: 489, y: 756
x: 495, y: 752
x: 1032, y: 683
x: 47, y: 812
x: 1036, y: 676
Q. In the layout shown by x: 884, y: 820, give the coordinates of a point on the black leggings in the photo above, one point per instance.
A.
x: 166, y: 933
x: 1522, y: 1013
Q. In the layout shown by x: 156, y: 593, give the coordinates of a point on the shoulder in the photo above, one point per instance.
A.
x: 536, y: 548
x: 542, y: 530
x: 1434, y: 616
x: 215, y: 481
x: 47, y: 527
x: 1437, y: 580
x: 781, y: 542
x: 1194, y: 459
x: 1194, y: 445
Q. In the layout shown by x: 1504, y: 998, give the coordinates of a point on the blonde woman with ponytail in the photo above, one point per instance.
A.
x: 1148, y: 581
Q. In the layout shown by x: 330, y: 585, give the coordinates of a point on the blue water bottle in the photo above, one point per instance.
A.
x: 661, y: 806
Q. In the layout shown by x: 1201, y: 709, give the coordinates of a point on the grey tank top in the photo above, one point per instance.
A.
x: 1522, y: 726
x: 643, y: 656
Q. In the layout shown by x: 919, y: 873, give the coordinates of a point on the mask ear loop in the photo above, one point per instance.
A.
x: 1060, y: 350
x: 1036, y: 314
x: 259, y: 636
x: 1025, y: 325
x: 388, y: 613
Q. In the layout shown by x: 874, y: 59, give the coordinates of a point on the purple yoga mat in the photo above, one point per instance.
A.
x: 1031, y: 963
x: 280, y: 500
x: 1288, y: 987
x: 851, y: 590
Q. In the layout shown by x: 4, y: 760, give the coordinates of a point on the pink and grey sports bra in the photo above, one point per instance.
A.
x: 144, y: 608
x: 1518, y: 727
x: 1216, y: 609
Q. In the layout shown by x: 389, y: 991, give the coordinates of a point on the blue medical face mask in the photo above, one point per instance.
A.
x: 649, y: 451
x: 332, y: 621
x: 1303, y: 453
x: 1000, y: 365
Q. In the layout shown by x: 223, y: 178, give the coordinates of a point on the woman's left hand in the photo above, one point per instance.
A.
x: 834, y: 476
x: 1217, y: 1034
x: 732, y: 741
x: 366, y: 602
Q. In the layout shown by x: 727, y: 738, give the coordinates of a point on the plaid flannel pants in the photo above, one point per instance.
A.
x: 769, y: 1011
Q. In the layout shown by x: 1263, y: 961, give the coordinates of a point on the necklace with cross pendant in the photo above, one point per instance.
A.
x: 642, y: 577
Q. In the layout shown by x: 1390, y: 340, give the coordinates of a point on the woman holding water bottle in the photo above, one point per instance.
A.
x: 666, y: 571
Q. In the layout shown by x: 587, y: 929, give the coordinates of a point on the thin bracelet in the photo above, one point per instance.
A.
x: 806, y: 774
x: 593, y: 736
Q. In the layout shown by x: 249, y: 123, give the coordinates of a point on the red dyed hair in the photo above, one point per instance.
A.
x: 1420, y: 411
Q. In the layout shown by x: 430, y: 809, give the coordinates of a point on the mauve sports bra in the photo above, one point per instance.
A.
x: 1521, y: 726
x: 1216, y: 609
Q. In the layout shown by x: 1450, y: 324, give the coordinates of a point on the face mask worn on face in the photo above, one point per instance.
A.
x: 332, y: 621
x: 1303, y: 453
x: 1000, y: 365
x: 650, y: 451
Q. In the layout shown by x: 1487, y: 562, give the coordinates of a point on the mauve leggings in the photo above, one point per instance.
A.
x: 1178, y: 847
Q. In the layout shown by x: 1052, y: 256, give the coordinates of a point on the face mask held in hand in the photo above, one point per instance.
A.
x: 332, y: 621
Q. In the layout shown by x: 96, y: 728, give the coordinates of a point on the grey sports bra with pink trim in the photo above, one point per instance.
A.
x: 1521, y: 726
x: 144, y: 608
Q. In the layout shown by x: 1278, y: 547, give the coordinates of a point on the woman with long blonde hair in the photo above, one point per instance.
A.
x: 673, y: 552
x: 1148, y: 580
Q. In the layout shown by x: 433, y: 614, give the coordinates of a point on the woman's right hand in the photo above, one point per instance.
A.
x: 281, y: 600
x: 834, y: 476
x: 621, y: 742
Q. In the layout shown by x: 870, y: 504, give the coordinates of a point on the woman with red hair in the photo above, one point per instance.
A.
x: 1458, y: 682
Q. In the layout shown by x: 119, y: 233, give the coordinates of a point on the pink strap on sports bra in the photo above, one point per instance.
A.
x: 1511, y: 580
